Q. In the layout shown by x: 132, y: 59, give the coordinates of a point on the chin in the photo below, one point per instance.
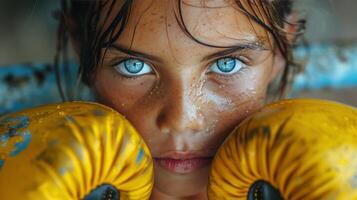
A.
x: 181, y: 184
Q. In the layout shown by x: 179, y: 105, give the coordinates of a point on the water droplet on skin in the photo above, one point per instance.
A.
x: 207, y: 130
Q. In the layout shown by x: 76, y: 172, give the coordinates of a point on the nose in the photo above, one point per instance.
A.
x: 180, y: 113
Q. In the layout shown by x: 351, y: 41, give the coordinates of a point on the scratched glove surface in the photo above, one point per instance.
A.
x: 67, y: 151
x: 292, y: 149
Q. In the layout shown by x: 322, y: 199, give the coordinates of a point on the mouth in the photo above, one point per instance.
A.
x: 183, y: 162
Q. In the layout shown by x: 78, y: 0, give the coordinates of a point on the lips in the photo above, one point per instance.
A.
x: 182, y: 163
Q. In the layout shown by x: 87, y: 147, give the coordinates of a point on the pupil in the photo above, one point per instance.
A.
x: 226, y: 65
x: 133, y: 65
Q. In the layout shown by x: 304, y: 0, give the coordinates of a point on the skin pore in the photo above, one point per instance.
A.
x: 184, y: 97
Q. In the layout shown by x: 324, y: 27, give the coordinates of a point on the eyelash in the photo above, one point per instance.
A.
x: 239, y: 57
x: 118, y: 60
x: 232, y: 77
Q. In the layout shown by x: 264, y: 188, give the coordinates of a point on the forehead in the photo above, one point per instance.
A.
x: 162, y: 23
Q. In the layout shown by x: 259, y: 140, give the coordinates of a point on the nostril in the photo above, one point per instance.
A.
x: 163, y: 124
x: 179, y: 115
x: 169, y: 122
x: 196, y: 124
x: 261, y: 190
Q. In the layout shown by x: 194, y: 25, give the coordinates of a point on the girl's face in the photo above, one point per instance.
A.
x: 184, y: 97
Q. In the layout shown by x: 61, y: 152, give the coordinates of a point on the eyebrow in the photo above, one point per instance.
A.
x: 257, y: 46
x: 135, y: 53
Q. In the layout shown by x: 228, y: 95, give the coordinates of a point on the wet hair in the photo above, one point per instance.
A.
x: 92, y: 37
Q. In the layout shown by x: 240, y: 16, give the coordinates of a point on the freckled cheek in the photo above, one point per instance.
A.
x: 254, y: 81
x: 130, y: 99
x: 221, y: 118
x: 250, y: 84
x: 231, y: 103
x: 122, y: 93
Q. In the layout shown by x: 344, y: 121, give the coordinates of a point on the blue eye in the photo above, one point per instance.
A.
x: 133, y: 67
x: 226, y: 66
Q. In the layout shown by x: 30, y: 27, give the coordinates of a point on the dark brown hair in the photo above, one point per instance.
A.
x: 92, y: 38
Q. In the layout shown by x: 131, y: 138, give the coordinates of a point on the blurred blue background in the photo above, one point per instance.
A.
x: 27, y: 47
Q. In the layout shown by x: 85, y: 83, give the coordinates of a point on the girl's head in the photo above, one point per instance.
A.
x: 184, y: 72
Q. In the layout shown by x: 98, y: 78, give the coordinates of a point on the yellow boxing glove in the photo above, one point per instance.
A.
x: 292, y: 150
x: 72, y: 151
